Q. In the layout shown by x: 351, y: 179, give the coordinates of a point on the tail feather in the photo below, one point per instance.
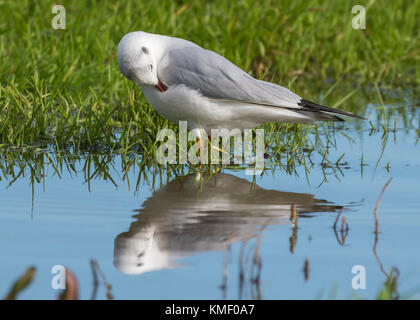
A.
x: 315, y: 107
x: 320, y: 116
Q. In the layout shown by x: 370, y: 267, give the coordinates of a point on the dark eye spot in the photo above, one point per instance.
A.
x: 151, y: 67
x: 145, y: 50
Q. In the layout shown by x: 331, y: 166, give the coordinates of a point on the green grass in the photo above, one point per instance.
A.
x: 62, y: 89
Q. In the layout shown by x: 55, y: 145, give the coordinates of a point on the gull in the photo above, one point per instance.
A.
x: 185, y: 82
x: 194, y: 214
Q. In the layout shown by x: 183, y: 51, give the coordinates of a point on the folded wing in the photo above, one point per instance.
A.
x: 216, y: 77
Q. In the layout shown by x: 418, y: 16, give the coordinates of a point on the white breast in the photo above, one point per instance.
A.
x: 180, y: 103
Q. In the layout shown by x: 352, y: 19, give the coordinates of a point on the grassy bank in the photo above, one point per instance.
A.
x: 62, y: 88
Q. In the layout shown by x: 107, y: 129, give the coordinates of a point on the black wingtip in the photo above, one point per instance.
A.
x: 312, y: 106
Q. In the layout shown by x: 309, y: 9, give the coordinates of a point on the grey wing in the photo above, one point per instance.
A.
x: 216, y: 77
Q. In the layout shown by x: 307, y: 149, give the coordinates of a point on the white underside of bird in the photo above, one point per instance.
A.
x: 180, y: 103
x: 184, y: 82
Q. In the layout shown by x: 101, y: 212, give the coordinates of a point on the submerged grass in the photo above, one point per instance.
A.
x: 62, y: 88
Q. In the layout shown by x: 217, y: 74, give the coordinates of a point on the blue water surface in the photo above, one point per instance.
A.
x: 173, y: 239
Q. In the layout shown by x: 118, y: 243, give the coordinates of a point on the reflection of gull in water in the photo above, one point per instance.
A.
x: 189, y: 216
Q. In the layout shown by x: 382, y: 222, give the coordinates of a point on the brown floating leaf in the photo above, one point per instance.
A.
x: 70, y: 293
x: 21, y: 283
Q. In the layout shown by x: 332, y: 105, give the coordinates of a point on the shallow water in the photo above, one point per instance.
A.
x: 223, y: 236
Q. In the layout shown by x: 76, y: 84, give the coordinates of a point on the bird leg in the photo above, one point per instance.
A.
x: 200, y: 145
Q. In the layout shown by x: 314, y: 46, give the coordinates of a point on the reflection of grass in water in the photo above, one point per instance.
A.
x: 15, y: 162
x: 63, y: 88
x: 289, y: 147
x: 387, y: 292
x: 16, y: 165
